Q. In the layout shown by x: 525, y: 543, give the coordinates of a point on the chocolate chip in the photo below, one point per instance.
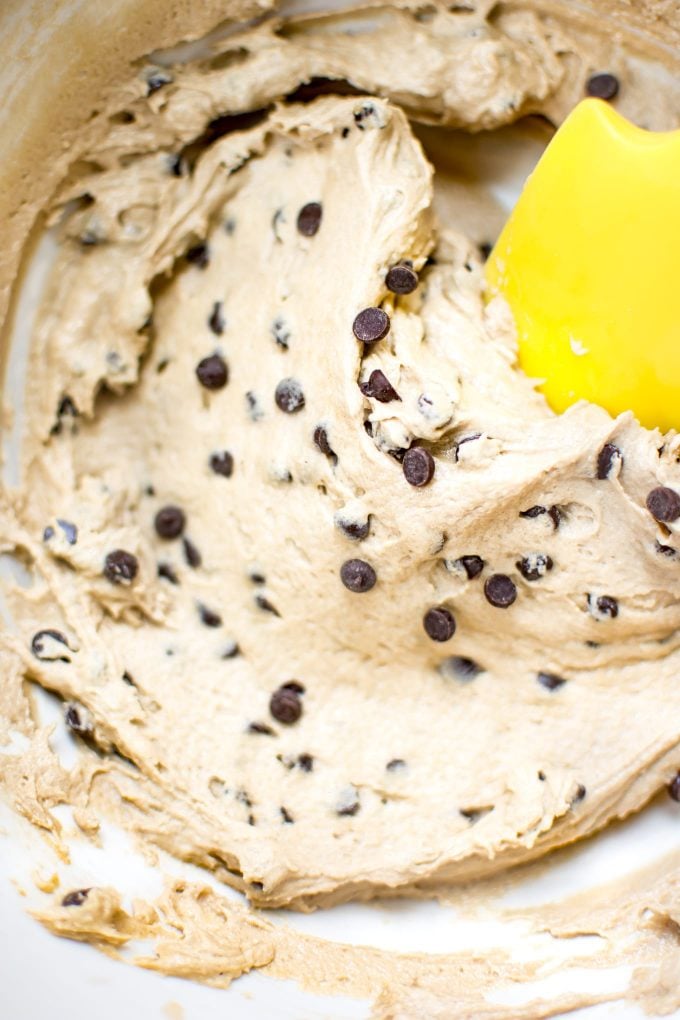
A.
x: 67, y: 407
x: 216, y: 320
x: 231, y: 651
x: 120, y: 566
x: 289, y: 396
x: 418, y: 466
x: 285, y: 705
x: 262, y: 728
x: 472, y: 565
x: 356, y: 530
x: 665, y: 550
x: 305, y: 762
x: 379, y: 387
x: 309, y: 219
x: 485, y: 249
x: 75, y: 898
x: 167, y: 572
x: 263, y: 603
x: 674, y: 788
x: 48, y: 533
x: 208, y: 616
x: 461, y: 667
x: 348, y: 802
x: 534, y: 566
x: 212, y: 372
x: 401, y: 279
x: 321, y: 440
x: 500, y: 591
x: 293, y: 685
x: 281, y: 333
x: 603, y: 86
x: 70, y: 531
x: 191, y: 553
x: 176, y: 164
x: 608, y: 456
x: 533, y: 511
x: 255, y: 412
x: 199, y: 255
x: 555, y: 515
x: 357, y: 575
x: 395, y: 764
x: 78, y: 718
x: 371, y: 325
x: 551, y: 681
x: 256, y: 577
x: 439, y: 624
x: 603, y: 606
x: 222, y: 463
x: 286, y: 816
x: 169, y: 522
x: 40, y: 646
x: 664, y: 504
x: 128, y: 679
x: 579, y: 794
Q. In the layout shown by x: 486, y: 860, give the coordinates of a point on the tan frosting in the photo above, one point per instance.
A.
x: 492, y: 769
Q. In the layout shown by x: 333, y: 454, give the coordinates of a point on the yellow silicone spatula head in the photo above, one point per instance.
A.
x: 589, y: 262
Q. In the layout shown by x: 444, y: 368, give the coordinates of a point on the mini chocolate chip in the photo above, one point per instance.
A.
x: 309, y: 219
x: 551, y: 681
x: 368, y: 428
x: 603, y: 606
x: 472, y: 565
x: 607, y: 458
x: 533, y: 511
x: 603, y: 85
x: 286, y: 816
x: 555, y: 515
x: 665, y: 550
x: 348, y: 802
x: 191, y: 553
x: 664, y: 504
x: 281, y: 333
x: 674, y: 788
x: 439, y: 624
x: 48, y: 533
x: 534, y: 566
x: 167, y: 572
x: 40, y: 646
x: 77, y: 718
x: 70, y: 531
x: 208, y: 616
x: 289, y: 396
x: 129, y: 679
x: 120, y: 566
x: 485, y: 249
x: 357, y: 575
x: 169, y: 522
x: 541, y: 775
x: 212, y: 372
x: 401, y: 279
x: 222, y: 463
x: 67, y: 407
x: 263, y: 603
x: 256, y: 577
x: 285, y: 705
x: 75, y: 898
x: 579, y: 794
x: 500, y: 591
x: 216, y: 320
x: 395, y: 764
x: 262, y: 728
x: 418, y: 466
x: 176, y: 164
x: 305, y: 762
x: 356, y: 530
x: 321, y: 440
x: 231, y: 651
x: 371, y: 325
x: 461, y: 667
x: 379, y: 387
x: 293, y: 685
x: 199, y: 255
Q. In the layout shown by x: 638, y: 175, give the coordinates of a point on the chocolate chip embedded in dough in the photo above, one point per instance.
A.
x: 285, y: 705
x: 401, y: 279
x: 222, y: 463
x: 191, y: 554
x: 262, y: 602
x: 231, y: 651
x: 358, y: 576
x: 534, y: 566
x: 167, y: 572
x: 664, y: 504
x: 199, y: 255
x: 261, y: 728
x: 170, y: 522
x: 500, y: 591
x: 607, y: 459
x: 40, y: 646
x: 212, y: 372
x: 665, y: 550
x: 551, y: 681
x: 439, y: 624
x: 603, y: 606
x: 579, y: 794
x: 348, y: 802
x: 460, y: 667
x: 555, y: 515
x: 305, y: 762
x: 395, y: 764
x: 309, y: 219
x: 78, y: 718
x: 472, y: 565
x: 216, y: 320
x: 157, y: 78
x: 321, y: 440
x: 208, y: 616
x: 674, y: 788
x: 286, y: 816
x: 378, y: 387
x: 281, y: 333
x: 293, y: 685
x: 418, y: 466
x: 371, y: 325
x: 120, y: 566
x: 289, y: 396
x: 603, y: 85
x: 48, y: 533
x: 533, y: 511
x: 75, y: 898
x: 357, y: 531
x: 69, y: 529
x: 485, y: 249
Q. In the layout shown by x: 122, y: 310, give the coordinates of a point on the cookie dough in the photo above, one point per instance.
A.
x: 343, y: 607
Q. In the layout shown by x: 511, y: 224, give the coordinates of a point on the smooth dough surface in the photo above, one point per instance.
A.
x: 414, y: 761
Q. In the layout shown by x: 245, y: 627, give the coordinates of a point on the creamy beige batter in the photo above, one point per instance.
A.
x: 237, y: 252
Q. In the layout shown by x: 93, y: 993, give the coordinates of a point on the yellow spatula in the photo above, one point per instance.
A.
x: 589, y: 262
